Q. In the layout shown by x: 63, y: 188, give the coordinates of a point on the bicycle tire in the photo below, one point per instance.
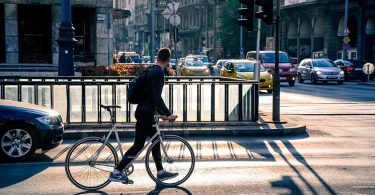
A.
x: 85, y: 143
x: 184, y: 157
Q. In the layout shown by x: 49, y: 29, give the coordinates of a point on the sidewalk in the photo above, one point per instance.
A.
x: 264, y: 127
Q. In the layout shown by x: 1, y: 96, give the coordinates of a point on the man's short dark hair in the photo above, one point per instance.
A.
x: 164, y: 55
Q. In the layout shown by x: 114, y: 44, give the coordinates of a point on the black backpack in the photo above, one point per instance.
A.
x: 136, y: 91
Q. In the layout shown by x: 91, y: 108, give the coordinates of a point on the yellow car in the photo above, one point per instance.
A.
x: 194, y: 68
x: 244, y: 69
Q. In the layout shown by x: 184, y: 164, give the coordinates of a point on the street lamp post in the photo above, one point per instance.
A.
x: 153, y: 4
x: 66, y: 40
x: 346, y: 31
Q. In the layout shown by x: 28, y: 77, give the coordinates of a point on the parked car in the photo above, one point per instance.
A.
x: 26, y: 127
x: 286, y: 69
x: 244, y: 69
x: 353, y: 69
x: 191, y: 67
x: 319, y: 70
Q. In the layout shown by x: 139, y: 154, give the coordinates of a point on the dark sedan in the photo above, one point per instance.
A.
x: 353, y: 69
x: 26, y: 127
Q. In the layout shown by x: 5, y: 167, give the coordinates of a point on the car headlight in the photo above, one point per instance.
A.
x: 48, y: 120
x: 319, y: 72
x: 342, y: 72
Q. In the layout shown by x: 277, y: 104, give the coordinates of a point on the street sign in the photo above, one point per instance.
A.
x: 345, y: 46
x: 346, y: 31
x: 175, y: 20
x: 100, y: 17
x: 167, y: 13
x: 368, y: 68
x: 173, y: 6
x: 346, y: 40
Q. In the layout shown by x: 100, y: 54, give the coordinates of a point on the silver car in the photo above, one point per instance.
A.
x: 319, y: 70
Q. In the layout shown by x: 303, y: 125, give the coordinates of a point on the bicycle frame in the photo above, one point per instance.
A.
x: 119, y: 144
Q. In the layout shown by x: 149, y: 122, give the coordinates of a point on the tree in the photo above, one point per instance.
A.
x: 230, y: 31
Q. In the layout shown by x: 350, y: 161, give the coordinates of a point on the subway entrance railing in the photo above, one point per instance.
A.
x: 193, y: 99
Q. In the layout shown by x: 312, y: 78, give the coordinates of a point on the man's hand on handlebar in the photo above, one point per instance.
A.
x: 170, y: 118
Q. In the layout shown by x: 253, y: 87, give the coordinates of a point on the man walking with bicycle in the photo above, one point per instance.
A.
x: 145, y: 119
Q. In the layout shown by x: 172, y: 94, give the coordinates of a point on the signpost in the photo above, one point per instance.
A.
x: 170, y: 13
x: 368, y: 69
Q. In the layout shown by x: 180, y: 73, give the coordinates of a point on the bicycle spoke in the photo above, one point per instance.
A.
x: 88, y: 174
x: 177, y: 157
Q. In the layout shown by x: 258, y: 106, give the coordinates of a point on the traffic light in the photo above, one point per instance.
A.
x: 266, y: 15
x: 247, y: 13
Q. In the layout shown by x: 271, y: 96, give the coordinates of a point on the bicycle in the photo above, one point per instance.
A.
x: 90, y: 160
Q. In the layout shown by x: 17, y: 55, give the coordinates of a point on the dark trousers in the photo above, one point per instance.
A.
x: 143, y: 129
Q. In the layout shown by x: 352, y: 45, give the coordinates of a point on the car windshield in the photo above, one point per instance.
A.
x: 270, y: 58
x: 247, y: 67
x: 194, y: 63
x: 323, y: 63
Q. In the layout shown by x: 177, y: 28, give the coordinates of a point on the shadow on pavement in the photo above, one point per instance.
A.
x: 92, y: 192
x: 169, y: 190
x: 287, y: 181
x: 15, y: 173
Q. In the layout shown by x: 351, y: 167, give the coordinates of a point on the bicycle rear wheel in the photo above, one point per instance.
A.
x: 178, y: 157
x: 83, y: 170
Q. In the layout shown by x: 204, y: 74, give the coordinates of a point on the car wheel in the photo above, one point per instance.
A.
x: 291, y: 83
x: 340, y: 82
x: 17, y: 142
x: 300, y: 79
x: 269, y: 90
x: 313, y: 79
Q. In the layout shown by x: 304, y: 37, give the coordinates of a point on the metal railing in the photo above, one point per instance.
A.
x: 193, y: 99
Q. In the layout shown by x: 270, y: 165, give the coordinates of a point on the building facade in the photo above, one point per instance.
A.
x: 123, y: 28
x: 315, y: 28
x: 29, y: 30
x: 196, y: 32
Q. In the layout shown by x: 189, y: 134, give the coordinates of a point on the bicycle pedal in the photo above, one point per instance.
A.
x: 128, y: 182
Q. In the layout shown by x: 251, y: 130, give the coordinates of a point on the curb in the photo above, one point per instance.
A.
x: 244, y: 131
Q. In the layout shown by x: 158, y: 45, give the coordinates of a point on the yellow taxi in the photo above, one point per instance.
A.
x: 244, y: 69
x: 194, y: 67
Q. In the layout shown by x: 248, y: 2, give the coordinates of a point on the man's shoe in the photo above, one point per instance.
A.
x: 119, y: 177
x: 166, y: 175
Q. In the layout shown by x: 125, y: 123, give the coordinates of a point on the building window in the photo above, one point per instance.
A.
x: 34, y: 34
x: 83, y: 19
x: 2, y: 34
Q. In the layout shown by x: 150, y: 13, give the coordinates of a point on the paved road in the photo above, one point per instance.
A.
x: 336, y: 156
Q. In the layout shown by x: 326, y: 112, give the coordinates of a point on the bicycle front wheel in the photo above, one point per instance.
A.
x: 177, y: 156
x: 89, y: 163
